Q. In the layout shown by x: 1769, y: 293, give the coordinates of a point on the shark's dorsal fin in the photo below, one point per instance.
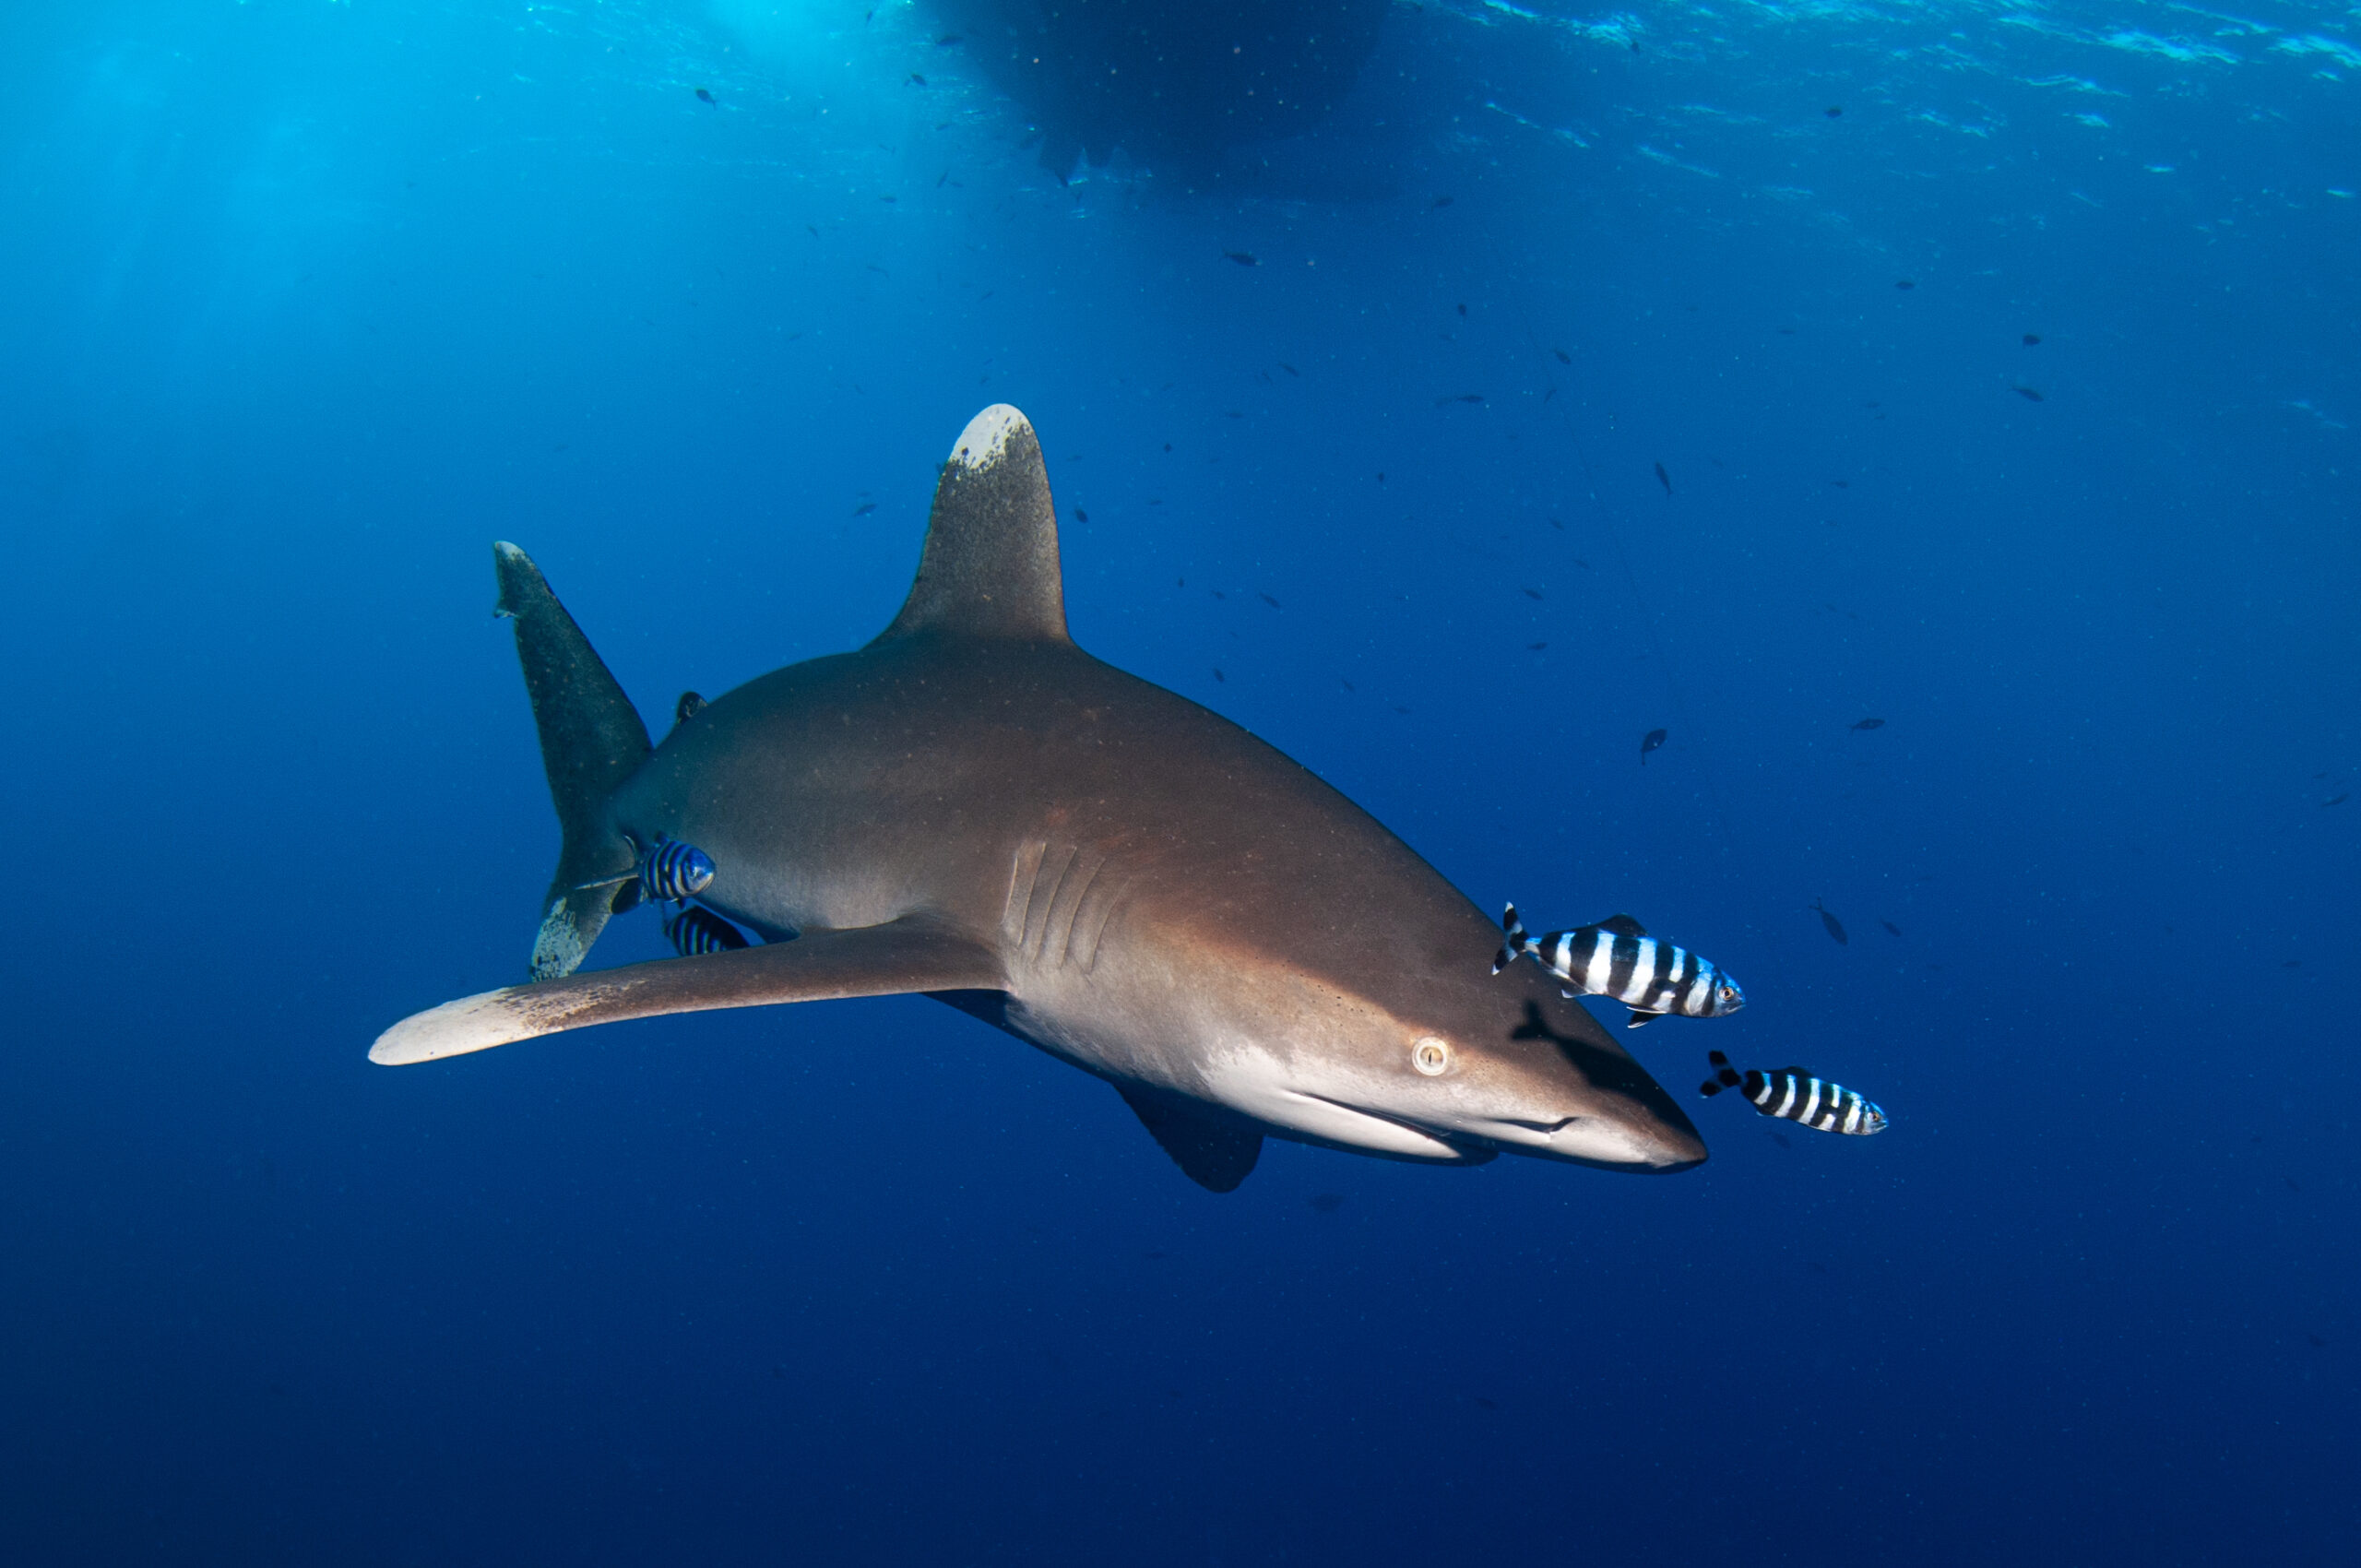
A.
x: 989, y: 569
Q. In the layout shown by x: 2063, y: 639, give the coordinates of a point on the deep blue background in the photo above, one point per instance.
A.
x: 301, y: 305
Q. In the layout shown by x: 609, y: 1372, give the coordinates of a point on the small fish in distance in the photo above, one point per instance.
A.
x: 1664, y: 479
x: 2033, y: 340
x: 1244, y: 258
x: 1835, y: 929
x: 918, y: 79
x: 1793, y: 1094
x: 2334, y: 800
x: 1649, y: 742
x: 1460, y: 397
x: 704, y: 97
x: 695, y: 931
x: 1564, y: 357
x: 1617, y: 957
x: 864, y: 508
x: 1288, y: 368
x: 1870, y: 724
x: 1890, y: 929
x: 2027, y: 393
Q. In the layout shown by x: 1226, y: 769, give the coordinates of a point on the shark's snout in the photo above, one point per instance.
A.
x: 1605, y: 1131
x: 1650, y: 1143
x: 1545, y: 1083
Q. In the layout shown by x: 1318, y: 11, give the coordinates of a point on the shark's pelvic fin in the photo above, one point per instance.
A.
x: 1216, y: 1152
x: 989, y: 569
x: 913, y: 954
x: 591, y: 740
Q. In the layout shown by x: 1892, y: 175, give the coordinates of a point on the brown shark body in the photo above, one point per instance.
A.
x: 973, y: 808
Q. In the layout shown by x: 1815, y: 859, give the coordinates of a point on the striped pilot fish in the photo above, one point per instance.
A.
x: 695, y: 929
x: 1617, y: 957
x: 672, y: 870
x: 1795, y: 1095
x: 667, y: 871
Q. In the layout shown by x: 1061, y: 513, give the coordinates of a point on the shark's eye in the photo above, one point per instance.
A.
x: 1430, y: 1055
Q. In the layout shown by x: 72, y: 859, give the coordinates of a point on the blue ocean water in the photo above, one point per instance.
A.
x: 306, y: 302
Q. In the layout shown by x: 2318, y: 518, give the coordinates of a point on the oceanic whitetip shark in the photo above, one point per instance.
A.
x: 973, y: 808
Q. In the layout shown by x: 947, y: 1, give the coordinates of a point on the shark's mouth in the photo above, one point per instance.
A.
x: 1588, y: 1140
x: 1256, y: 1085
x: 1359, y: 1127
x: 1516, y: 1130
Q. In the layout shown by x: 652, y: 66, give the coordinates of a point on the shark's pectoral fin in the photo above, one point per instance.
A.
x: 1212, y: 1149
x: 913, y: 954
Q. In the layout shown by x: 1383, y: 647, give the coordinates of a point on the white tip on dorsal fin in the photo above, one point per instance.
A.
x: 989, y: 567
x: 985, y: 440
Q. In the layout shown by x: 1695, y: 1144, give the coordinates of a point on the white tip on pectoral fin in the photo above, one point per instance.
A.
x: 916, y: 953
x: 472, y: 1023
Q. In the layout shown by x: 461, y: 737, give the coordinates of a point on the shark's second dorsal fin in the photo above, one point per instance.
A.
x: 989, y: 569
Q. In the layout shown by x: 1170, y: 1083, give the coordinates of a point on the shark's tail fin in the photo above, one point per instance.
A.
x: 1515, y: 939
x: 591, y: 740
x: 1724, y: 1075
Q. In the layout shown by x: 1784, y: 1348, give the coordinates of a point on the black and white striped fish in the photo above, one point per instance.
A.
x: 1617, y: 957
x: 672, y: 870
x: 1795, y: 1095
x: 666, y: 872
x: 695, y: 929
